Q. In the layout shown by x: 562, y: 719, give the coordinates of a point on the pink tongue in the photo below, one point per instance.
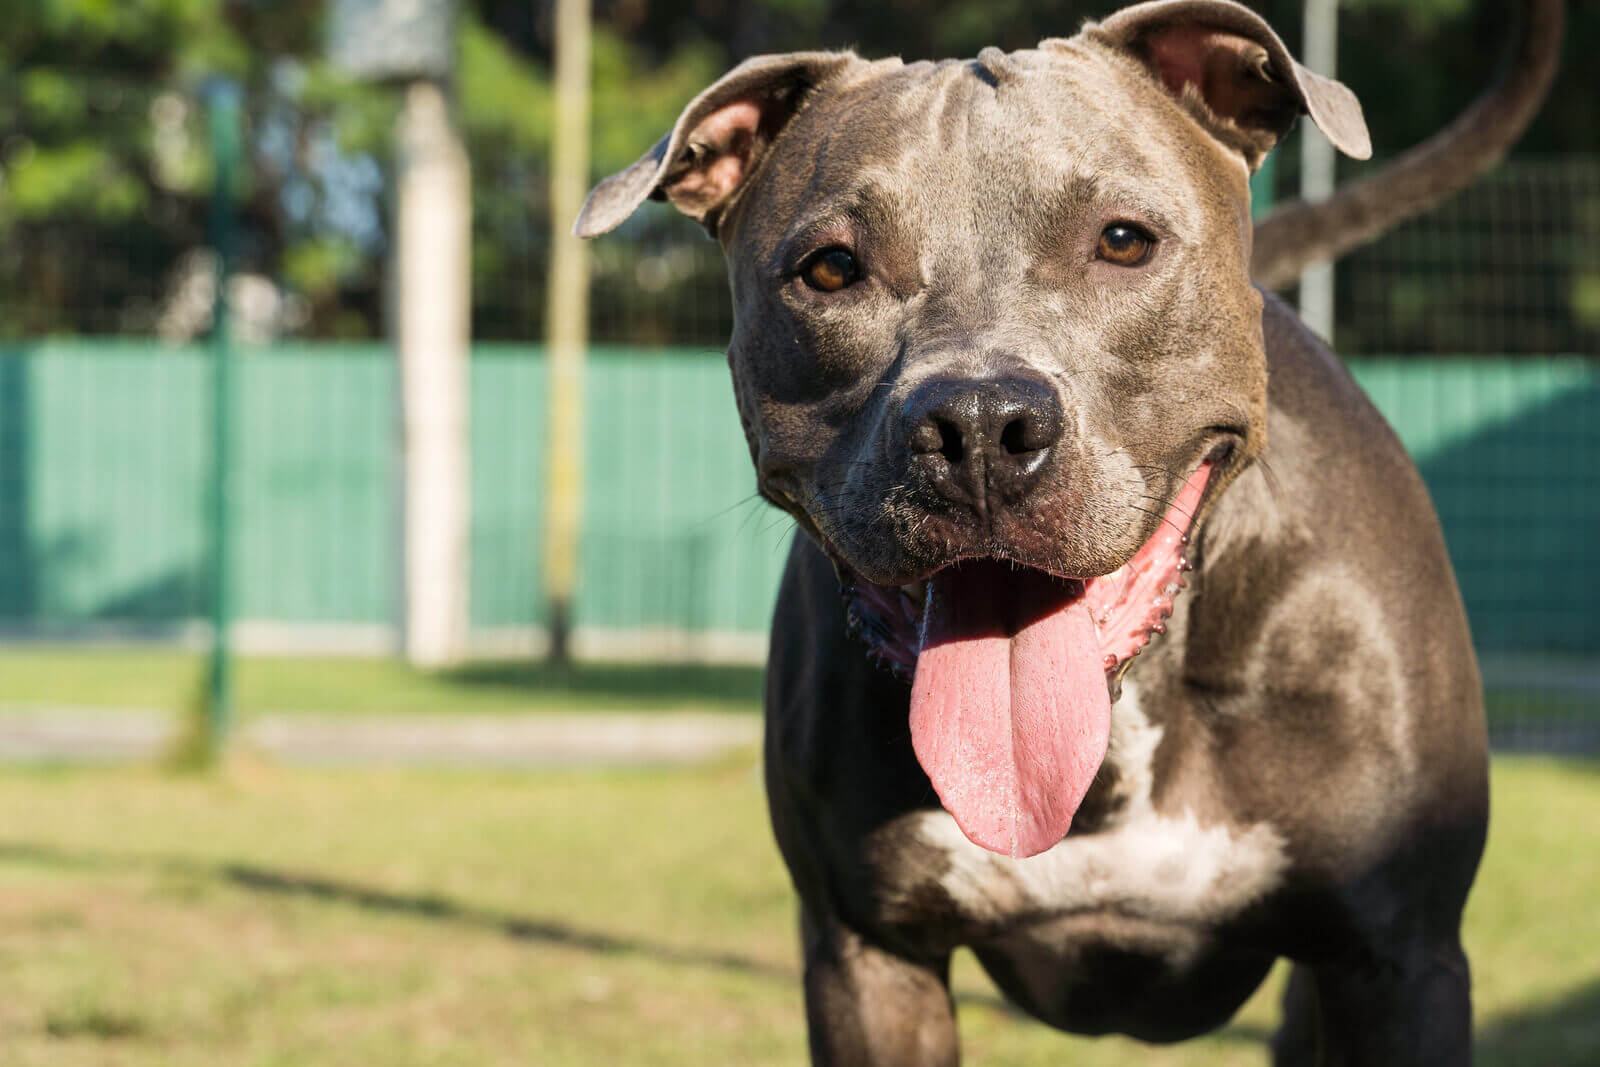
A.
x: 1009, y: 710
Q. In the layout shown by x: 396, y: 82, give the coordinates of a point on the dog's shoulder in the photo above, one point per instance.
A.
x: 1326, y: 599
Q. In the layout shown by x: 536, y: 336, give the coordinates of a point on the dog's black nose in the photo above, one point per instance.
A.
x: 982, y: 442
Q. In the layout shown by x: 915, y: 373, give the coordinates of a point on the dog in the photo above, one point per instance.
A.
x: 1120, y: 643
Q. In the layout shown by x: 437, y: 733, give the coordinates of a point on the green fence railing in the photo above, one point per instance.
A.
x: 103, y: 459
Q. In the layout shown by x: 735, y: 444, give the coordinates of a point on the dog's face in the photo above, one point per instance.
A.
x: 991, y: 236
x: 994, y: 328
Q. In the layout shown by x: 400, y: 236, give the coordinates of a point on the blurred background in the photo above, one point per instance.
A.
x: 316, y: 451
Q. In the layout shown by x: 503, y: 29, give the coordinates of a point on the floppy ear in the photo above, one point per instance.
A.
x: 1234, y: 74
x: 716, y: 143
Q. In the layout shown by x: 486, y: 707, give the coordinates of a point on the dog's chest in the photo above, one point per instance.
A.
x: 1170, y: 868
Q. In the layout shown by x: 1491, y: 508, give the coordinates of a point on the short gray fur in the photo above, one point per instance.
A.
x: 1308, y: 733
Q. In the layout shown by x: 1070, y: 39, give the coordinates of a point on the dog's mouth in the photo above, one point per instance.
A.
x: 1011, y: 670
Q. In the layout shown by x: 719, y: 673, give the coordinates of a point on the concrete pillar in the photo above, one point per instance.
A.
x: 432, y: 306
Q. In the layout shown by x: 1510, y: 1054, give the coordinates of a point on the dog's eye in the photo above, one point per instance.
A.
x: 1124, y: 244
x: 831, y: 270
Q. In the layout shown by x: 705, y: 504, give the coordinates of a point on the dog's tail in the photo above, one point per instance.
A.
x: 1300, y: 234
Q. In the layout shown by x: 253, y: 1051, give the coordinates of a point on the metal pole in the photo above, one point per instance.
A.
x: 1317, y: 161
x: 224, y: 121
x: 568, y: 322
x: 1263, y: 184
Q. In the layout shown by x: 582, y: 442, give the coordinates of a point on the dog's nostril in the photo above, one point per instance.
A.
x: 1018, y: 439
x: 951, y: 446
x: 973, y: 424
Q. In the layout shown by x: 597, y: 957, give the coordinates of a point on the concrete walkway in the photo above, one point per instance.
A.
x: 109, y: 735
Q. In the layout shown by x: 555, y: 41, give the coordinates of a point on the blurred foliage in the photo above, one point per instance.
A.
x: 105, y: 169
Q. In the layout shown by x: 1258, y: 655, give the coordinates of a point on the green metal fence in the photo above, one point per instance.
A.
x: 103, y: 449
x: 1511, y: 453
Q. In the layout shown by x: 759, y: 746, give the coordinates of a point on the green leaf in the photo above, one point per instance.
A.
x: 80, y: 178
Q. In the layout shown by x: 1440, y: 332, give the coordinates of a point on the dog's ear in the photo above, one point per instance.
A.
x: 716, y: 143
x: 1223, y: 62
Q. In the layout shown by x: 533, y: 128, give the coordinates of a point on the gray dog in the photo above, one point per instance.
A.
x: 998, y: 351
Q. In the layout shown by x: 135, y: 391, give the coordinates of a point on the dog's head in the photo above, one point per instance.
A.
x: 994, y: 333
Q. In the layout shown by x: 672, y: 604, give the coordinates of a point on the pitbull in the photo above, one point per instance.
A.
x: 1150, y: 667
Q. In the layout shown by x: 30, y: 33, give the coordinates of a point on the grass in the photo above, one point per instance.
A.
x: 270, y: 917
x: 166, y: 679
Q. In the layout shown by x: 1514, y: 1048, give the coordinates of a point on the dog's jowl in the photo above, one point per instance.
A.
x: 1120, y: 643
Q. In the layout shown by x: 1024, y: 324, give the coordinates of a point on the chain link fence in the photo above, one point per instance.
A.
x: 1511, y: 266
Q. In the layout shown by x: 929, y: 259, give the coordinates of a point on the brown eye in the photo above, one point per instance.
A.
x: 831, y: 270
x: 1124, y: 244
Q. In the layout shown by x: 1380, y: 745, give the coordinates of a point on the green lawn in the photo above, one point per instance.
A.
x: 276, y: 917
x: 160, y: 678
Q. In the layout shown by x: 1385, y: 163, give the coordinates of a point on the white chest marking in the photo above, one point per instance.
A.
x: 1148, y: 864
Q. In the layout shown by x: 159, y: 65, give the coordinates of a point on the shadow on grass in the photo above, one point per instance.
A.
x: 516, y: 927
x: 521, y: 928
x: 1563, y: 1033
x: 429, y: 906
x: 642, y: 683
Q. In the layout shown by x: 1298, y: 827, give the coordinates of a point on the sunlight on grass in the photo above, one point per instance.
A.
x: 162, y: 679
x: 269, y: 916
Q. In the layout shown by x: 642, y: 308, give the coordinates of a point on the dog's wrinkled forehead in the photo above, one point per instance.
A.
x: 996, y: 145
x: 1207, y: 82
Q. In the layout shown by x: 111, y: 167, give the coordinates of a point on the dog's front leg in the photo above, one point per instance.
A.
x: 869, y: 1007
x: 1414, y: 1012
